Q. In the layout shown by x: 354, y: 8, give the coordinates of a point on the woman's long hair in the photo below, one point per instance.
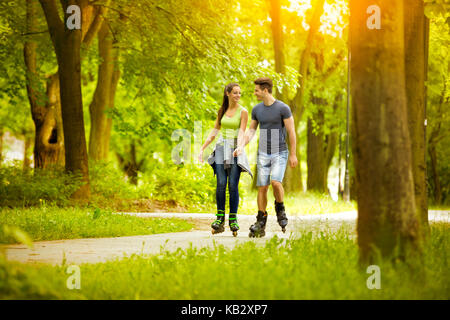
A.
x: 225, y: 104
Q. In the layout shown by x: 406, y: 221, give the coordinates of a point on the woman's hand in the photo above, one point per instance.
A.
x: 237, y: 152
x: 200, y: 156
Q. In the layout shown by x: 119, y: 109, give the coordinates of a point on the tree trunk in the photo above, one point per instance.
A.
x: 114, y: 83
x: 1, y: 145
x: 316, y: 179
x: 437, y: 197
x: 387, y: 221
x: 26, y: 152
x: 320, y: 149
x: 293, y: 176
x: 340, y: 186
x: 331, y: 142
x: 49, y: 135
x: 49, y: 144
x: 277, y: 36
x: 130, y: 165
x: 103, y: 97
x: 67, y: 44
x: 414, y: 24
x: 297, y: 104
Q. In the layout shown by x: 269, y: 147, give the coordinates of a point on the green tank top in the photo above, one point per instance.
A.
x: 230, y: 126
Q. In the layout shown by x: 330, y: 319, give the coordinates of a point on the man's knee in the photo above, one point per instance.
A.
x: 276, y: 184
x: 263, y: 189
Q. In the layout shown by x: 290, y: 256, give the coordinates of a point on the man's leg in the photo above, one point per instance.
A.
x: 278, y: 191
x: 263, y: 166
x: 258, y: 229
x: 262, y: 198
x: 278, y: 168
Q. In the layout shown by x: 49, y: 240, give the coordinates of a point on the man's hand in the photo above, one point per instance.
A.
x: 293, y: 160
x: 237, y: 152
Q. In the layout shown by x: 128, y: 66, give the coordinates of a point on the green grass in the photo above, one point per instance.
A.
x: 307, y: 267
x: 438, y: 207
x: 50, y: 223
x: 300, y: 203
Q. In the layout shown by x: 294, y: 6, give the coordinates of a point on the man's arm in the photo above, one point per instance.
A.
x: 290, y: 128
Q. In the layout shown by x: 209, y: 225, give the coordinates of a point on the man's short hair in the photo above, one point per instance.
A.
x: 265, y: 83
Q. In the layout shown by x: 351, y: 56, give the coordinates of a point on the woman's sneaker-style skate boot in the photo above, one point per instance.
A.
x: 258, y: 229
x: 281, y: 215
x: 218, y: 225
x: 234, y: 227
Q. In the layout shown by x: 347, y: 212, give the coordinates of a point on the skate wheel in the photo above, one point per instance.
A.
x: 234, y: 233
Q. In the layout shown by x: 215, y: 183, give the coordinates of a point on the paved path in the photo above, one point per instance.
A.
x: 96, y: 250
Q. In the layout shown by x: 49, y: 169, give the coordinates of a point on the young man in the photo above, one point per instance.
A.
x: 275, y: 120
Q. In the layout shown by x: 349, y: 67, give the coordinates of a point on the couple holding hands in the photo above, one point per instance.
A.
x: 228, y: 159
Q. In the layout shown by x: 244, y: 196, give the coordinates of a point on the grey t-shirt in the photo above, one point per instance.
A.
x: 272, y: 137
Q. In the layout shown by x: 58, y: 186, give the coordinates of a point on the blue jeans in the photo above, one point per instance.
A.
x: 232, y: 175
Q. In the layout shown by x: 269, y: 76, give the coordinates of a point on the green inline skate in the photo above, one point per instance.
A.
x: 234, y: 227
x: 218, y: 225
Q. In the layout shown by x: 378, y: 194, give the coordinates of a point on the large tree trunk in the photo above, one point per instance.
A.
x: 103, y: 100
x: 387, y: 220
x: 49, y: 145
x: 67, y: 44
x: 415, y: 69
x: 49, y: 136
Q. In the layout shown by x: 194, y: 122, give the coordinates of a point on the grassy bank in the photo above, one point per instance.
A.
x: 51, y: 223
x: 307, y: 267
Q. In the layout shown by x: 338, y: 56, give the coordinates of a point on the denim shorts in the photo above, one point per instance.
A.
x: 271, y: 167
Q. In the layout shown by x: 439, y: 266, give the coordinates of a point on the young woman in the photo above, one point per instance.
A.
x: 232, y: 121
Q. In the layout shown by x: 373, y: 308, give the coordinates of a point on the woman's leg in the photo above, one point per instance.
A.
x: 221, y: 187
x: 233, y: 187
x: 218, y: 225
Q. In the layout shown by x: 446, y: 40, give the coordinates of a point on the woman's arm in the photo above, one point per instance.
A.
x: 212, y: 135
x: 243, y: 127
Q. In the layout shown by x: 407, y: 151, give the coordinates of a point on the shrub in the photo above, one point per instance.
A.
x: 26, y: 188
